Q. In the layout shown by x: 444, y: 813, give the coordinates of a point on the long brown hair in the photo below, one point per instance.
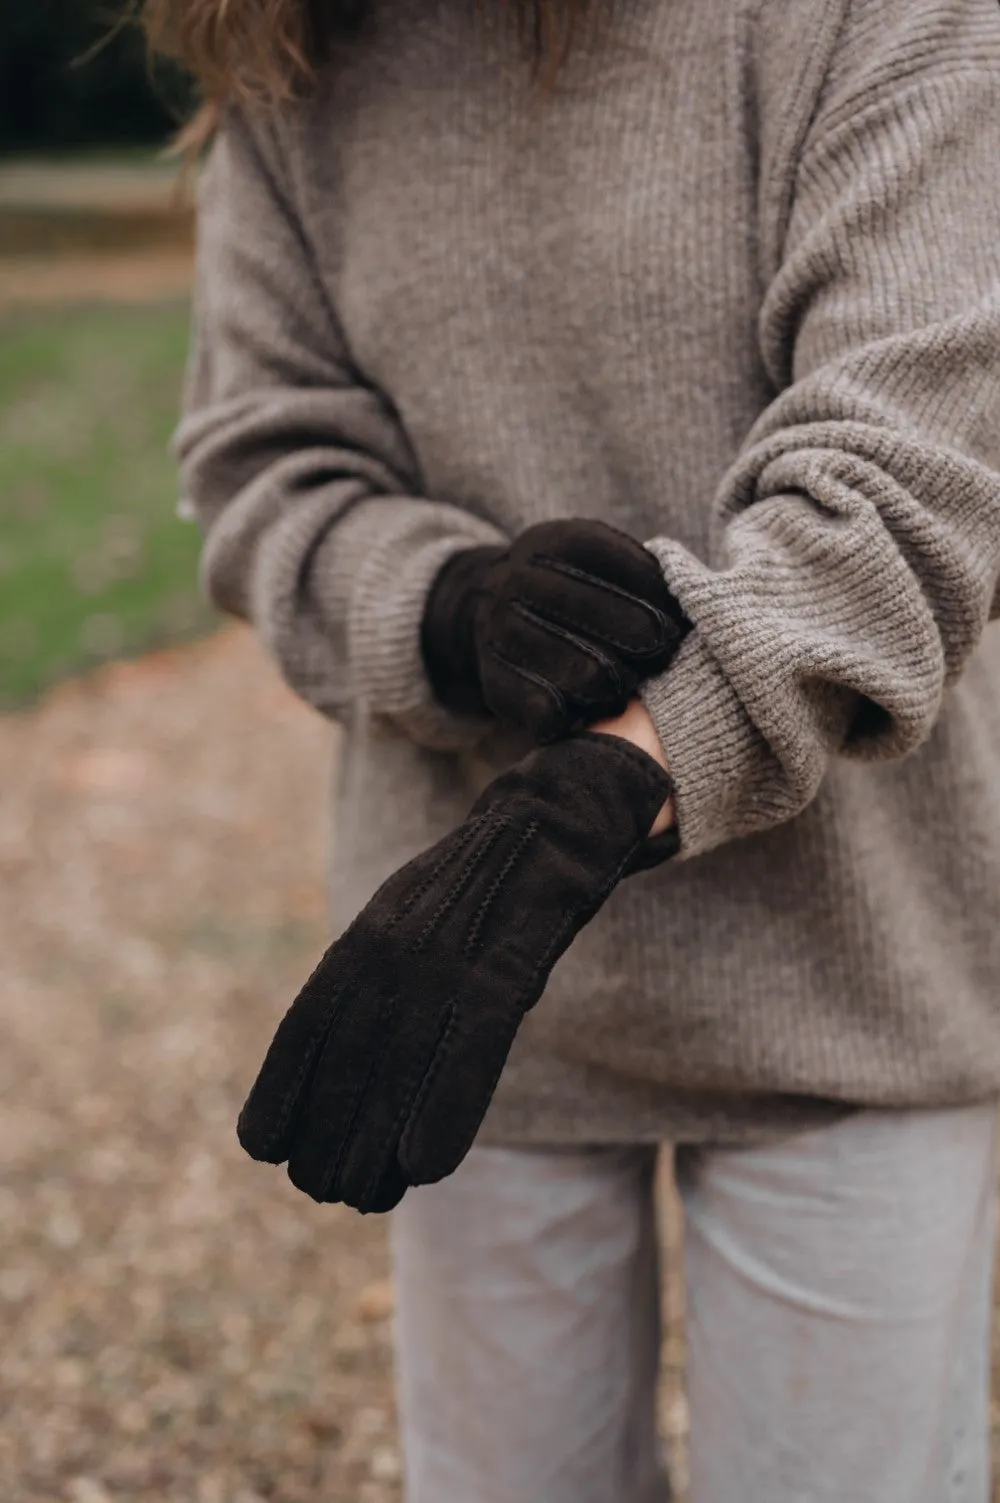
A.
x: 261, y: 53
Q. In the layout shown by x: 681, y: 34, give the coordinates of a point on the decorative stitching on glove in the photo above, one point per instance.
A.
x: 459, y: 883
x: 361, y: 1091
x: 523, y: 842
x: 666, y: 624
x: 465, y: 834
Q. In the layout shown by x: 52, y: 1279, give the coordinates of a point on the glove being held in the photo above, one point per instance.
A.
x: 382, y: 1070
x: 552, y: 633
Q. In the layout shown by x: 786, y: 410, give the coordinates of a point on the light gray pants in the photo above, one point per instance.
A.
x: 838, y: 1311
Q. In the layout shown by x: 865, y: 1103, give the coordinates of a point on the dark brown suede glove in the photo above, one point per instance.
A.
x: 552, y: 633
x: 382, y: 1070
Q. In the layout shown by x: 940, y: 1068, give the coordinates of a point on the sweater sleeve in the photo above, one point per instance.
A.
x: 299, y: 473
x: 855, y: 551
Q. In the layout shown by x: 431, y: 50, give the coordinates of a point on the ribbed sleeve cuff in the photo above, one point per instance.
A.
x: 723, y: 771
x: 382, y: 559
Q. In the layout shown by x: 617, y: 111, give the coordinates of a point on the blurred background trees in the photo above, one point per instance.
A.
x: 95, y: 272
x: 74, y: 75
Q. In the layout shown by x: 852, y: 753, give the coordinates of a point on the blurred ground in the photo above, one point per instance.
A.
x: 180, y: 1325
x: 131, y: 277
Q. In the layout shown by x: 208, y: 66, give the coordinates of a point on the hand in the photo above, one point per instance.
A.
x: 552, y: 632
x: 382, y: 1070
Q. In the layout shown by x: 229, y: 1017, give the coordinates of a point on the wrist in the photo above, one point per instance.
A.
x: 635, y: 725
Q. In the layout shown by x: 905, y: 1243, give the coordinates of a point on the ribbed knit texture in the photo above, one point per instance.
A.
x: 736, y: 289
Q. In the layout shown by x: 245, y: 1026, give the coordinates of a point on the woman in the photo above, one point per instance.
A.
x: 662, y: 399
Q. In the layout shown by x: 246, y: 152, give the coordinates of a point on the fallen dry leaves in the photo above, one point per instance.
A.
x: 179, y: 1325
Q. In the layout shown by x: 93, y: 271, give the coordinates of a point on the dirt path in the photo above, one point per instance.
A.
x: 91, y: 183
x: 92, y: 229
x: 179, y: 1324
x: 138, y: 277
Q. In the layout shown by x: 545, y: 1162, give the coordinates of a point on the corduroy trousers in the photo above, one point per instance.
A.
x: 838, y: 1317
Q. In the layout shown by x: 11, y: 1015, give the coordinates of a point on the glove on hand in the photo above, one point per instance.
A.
x: 552, y: 633
x: 381, y: 1071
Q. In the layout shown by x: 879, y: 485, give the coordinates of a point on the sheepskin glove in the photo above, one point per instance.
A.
x: 382, y: 1070
x: 552, y: 633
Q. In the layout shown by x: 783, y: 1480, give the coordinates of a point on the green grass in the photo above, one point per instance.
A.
x: 93, y: 560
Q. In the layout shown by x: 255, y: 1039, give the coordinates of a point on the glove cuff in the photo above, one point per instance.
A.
x: 654, y: 851
x: 656, y: 848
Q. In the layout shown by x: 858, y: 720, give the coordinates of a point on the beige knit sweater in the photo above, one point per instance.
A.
x: 735, y: 288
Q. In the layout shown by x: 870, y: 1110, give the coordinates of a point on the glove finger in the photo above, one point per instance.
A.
x: 339, y: 1096
x: 456, y: 1092
x: 370, y: 1165
x: 585, y: 673
x: 267, y: 1122
x: 388, y: 1192
x: 518, y: 696
x: 631, y: 622
x: 538, y: 674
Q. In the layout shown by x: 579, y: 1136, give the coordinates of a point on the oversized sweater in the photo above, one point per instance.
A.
x: 735, y: 287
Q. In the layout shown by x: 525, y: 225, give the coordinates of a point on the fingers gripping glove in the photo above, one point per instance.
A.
x: 381, y: 1071
x: 552, y: 633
